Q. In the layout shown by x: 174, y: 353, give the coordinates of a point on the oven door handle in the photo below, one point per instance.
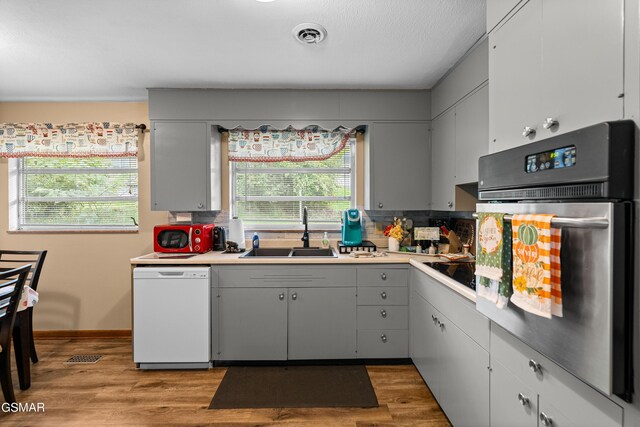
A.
x: 587, y: 222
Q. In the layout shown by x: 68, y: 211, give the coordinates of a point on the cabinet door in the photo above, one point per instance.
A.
x: 472, y: 135
x: 464, y: 389
x: 512, y: 403
x: 399, y: 161
x: 322, y: 323
x: 583, y: 63
x: 425, y: 341
x: 253, y: 323
x: 179, y: 166
x: 443, y: 152
x: 515, y: 69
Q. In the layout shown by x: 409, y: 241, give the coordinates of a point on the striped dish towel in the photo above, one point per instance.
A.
x: 536, y: 265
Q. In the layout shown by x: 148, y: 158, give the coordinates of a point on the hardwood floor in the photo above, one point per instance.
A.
x: 113, y: 392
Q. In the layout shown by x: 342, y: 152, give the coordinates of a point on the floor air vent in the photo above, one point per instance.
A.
x: 83, y: 358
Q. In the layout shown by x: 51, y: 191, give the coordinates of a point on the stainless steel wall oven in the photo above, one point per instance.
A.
x: 585, y: 178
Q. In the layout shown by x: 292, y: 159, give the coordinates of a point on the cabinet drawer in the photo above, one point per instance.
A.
x: 387, y: 295
x: 382, y: 277
x: 568, y: 393
x: 383, y: 317
x: 273, y: 276
x: 383, y: 343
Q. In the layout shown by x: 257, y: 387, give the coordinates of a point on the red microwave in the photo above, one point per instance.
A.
x: 196, y: 238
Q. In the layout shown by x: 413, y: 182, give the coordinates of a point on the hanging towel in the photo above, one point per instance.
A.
x: 536, y: 265
x: 493, y: 258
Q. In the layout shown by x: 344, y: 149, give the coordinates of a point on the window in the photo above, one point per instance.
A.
x: 74, y: 193
x: 272, y: 195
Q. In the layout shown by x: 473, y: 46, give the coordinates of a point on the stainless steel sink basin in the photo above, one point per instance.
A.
x: 290, y: 252
x: 314, y: 252
x: 268, y: 252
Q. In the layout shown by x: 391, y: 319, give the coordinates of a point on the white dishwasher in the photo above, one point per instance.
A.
x: 171, y: 320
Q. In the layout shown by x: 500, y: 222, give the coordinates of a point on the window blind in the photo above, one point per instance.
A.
x: 80, y: 193
x: 273, y: 195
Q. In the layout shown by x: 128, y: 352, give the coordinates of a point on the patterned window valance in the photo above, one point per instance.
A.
x: 266, y: 144
x: 94, y: 139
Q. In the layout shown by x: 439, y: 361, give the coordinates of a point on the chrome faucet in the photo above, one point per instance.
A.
x: 305, y: 235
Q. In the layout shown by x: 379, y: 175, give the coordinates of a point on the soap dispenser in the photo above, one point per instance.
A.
x: 255, y: 241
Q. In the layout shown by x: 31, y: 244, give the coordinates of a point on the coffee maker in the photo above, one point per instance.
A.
x: 351, y: 227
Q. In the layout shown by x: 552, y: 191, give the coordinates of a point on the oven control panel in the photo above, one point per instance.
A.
x: 558, y: 158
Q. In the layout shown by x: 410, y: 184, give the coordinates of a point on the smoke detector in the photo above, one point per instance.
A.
x: 309, y: 33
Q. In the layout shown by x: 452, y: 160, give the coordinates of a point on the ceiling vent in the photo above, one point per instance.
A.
x: 309, y: 33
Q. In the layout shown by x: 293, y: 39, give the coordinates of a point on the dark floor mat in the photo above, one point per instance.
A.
x: 295, y: 387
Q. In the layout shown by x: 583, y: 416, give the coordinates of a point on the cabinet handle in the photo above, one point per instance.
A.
x: 434, y: 318
x: 281, y: 296
x: 383, y: 276
x: 449, y: 204
x: 545, y: 420
x: 383, y: 294
x: 383, y: 338
x: 524, y: 401
x: 380, y: 205
x: 549, y: 123
x: 200, y: 206
x: 534, y: 366
x: 441, y: 325
x: 383, y: 313
x: 528, y: 131
x: 294, y: 296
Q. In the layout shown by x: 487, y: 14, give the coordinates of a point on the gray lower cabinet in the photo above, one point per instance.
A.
x: 397, y: 163
x: 287, y: 312
x: 548, y: 395
x: 454, y: 365
x: 253, y: 323
x: 513, y: 404
x: 383, y: 312
x: 322, y: 323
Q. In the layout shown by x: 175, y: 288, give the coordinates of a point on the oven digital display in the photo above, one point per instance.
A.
x: 558, y: 158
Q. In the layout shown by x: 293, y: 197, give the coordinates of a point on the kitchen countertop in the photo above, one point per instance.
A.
x: 219, y: 258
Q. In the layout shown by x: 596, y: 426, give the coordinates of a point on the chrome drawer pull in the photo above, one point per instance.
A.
x: 545, y: 420
x: 535, y: 366
x: 383, y: 295
x: 524, y: 401
x: 383, y: 337
x: 383, y: 276
x: 281, y: 296
x: 294, y: 296
x: 383, y: 313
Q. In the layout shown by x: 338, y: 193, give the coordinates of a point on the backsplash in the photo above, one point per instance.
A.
x: 374, y: 223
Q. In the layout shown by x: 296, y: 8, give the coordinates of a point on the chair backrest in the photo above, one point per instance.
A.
x: 11, y: 259
x: 11, y: 284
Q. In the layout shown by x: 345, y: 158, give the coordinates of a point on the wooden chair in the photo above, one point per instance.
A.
x: 11, y: 284
x: 8, y: 259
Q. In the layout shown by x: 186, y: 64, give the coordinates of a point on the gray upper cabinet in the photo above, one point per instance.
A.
x: 443, y: 151
x: 322, y: 323
x: 472, y: 135
x: 184, y: 161
x: 497, y: 10
x: 551, y: 72
x: 397, y: 162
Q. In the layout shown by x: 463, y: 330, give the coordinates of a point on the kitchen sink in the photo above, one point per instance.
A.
x: 315, y: 252
x: 290, y: 252
x: 268, y: 252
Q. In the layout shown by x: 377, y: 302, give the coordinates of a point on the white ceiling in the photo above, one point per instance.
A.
x: 94, y: 50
